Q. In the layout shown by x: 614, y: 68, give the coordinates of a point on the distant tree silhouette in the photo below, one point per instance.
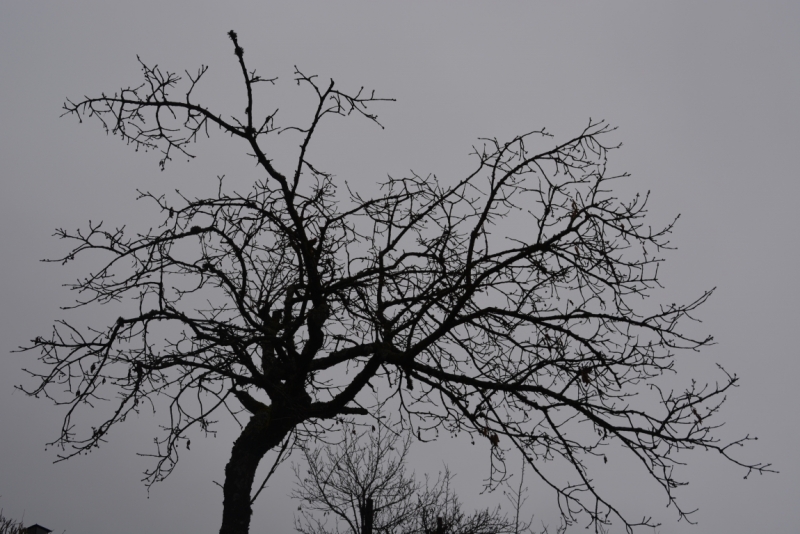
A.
x: 360, y: 486
x: 287, y: 301
x: 10, y: 526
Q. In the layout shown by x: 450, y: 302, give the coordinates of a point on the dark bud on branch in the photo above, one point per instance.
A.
x: 586, y: 375
x: 238, y: 50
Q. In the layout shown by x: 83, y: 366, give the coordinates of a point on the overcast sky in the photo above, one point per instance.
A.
x: 705, y: 95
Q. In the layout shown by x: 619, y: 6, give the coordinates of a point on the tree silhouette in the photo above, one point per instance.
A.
x: 360, y: 486
x: 289, y: 300
x: 9, y: 525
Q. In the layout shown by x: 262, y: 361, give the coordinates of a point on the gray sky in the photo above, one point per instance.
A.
x: 705, y: 95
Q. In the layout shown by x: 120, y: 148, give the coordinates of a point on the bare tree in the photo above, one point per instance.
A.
x: 10, y: 526
x: 288, y: 300
x: 360, y: 486
x: 364, y: 486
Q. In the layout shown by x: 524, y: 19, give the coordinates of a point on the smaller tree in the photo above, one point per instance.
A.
x: 10, y: 526
x: 360, y: 485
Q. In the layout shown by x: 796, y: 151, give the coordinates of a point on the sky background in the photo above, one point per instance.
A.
x: 705, y: 95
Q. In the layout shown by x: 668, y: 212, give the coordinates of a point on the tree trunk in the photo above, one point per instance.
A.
x: 261, y: 434
x: 367, y: 516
